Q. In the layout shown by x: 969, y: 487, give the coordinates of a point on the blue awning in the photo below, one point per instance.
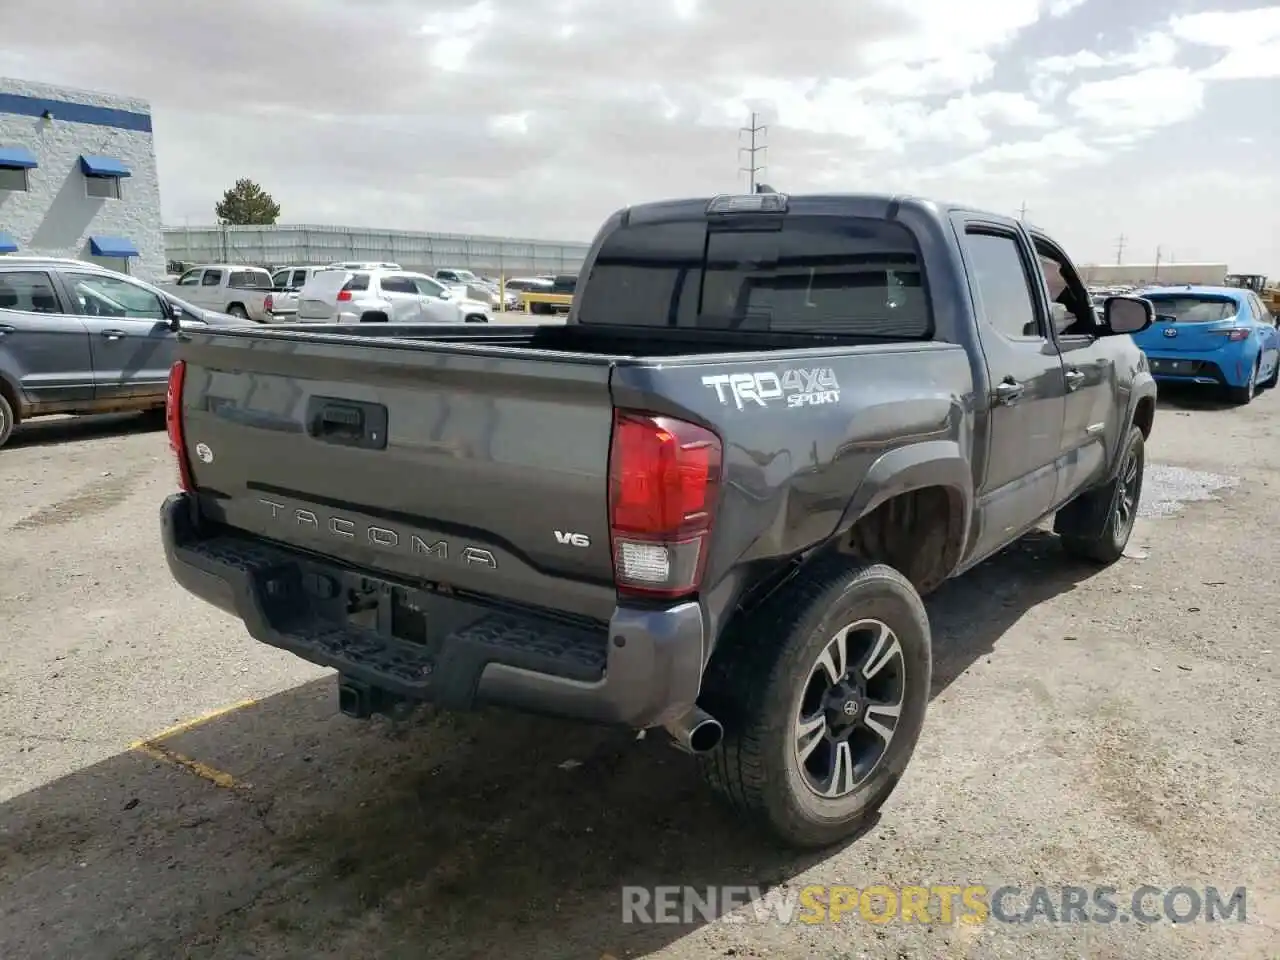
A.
x: 8, y: 244
x: 112, y: 247
x: 103, y: 167
x: 17, y: 158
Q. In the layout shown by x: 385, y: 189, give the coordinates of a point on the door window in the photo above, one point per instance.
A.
x: 28, y: 292
x: 299, y: 279
x: 189, y: 279
x: 398, y: 285
x: 211, y: 278
x: 1073, y: 307
x: 112, y: 297
x: 427, y: 287
x: 280, y: 278
x: 1004, y: 284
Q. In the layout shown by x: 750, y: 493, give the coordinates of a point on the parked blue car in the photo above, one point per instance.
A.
x: 1222, y: 336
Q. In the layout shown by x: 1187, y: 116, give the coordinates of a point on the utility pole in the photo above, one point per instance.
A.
x: 1158, y: 252
x: 756, y: 131
x: 1120, y: 250
x: 1022, y: 211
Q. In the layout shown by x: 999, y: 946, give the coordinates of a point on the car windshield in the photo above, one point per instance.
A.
x: 1193, y: 309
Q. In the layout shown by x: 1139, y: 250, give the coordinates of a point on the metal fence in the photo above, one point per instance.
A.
x: 308, y: 244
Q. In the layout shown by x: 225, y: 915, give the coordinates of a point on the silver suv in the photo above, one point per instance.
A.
x: 78, y: 338
x: 384, y: 296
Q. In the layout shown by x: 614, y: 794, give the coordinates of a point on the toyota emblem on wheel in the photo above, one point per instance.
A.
x: 851, y: 708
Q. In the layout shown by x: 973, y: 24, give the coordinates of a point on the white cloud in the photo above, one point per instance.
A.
x: 1139, y: 101
x: 1060, y: 8
x: 1249, y: 39
x: 1152, y: 50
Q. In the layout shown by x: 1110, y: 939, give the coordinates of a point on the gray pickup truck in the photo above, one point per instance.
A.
x: 710, y: 502
x: 78, y: 338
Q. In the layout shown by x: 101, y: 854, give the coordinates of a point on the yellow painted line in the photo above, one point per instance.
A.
x: 194, y: 722
x: 218, y: 778
x: 153, y: 748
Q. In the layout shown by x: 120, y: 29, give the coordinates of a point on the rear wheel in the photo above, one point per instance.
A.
x: 235, y: 310
x: 1243, y: 395
x: 8, y: 420
x: 822, y: 692
x: 476, y: 318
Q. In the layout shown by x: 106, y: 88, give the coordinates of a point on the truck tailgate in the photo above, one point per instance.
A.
x: 477, y: 470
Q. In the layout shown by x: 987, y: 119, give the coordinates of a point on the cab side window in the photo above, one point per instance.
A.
x: 1004, y: 284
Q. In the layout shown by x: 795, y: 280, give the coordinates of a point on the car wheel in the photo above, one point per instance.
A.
x: 1119, y: 498
x: 235, y: 310
x: 822, y: 692
x: 476, y: 318
x: 8, y: 420
x: 1241, y: 396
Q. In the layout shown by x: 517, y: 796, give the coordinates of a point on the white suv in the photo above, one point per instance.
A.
x: 384, y: 296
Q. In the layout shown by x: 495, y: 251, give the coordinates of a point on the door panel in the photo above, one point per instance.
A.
x: 401, y: 296
x: 129, y: 336
x: 42, y: 341
x: 1091, y: 419
x: 1027, y: 401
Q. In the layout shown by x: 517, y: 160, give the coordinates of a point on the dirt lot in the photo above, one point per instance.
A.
x: 1088, y: 728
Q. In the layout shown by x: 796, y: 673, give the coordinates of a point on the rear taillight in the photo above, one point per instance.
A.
x: 268, y: 303
x: 1234, y: 334
x: 344, y: 296
x: 173, y: 422
x: 664, y: 478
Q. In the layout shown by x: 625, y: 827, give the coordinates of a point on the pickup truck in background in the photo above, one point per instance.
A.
x: 233, y: 289
x: 709, y: 502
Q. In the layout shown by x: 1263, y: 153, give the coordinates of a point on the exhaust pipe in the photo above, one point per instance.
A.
x: 695, y: 731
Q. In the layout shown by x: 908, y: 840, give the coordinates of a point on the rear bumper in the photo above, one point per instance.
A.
x: 1186, y: 368
x: 642, y: 668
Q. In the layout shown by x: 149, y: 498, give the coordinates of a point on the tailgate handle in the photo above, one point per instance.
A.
x: 350, y: 423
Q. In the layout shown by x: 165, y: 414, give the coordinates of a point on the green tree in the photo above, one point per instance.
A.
x: 247, y: 204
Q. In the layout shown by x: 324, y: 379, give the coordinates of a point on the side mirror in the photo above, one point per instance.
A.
x: 445, y: 294
x: 175, y: 316
x: 1128, y: 314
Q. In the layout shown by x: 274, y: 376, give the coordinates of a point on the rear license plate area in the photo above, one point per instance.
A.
x: 423, y: 618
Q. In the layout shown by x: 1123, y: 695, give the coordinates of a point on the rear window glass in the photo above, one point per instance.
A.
x: 249, y: 280
x: 358, y: 281
x: 817, y: 275
x: 1193, y: 309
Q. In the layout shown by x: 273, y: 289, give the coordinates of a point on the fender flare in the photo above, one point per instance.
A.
x: 930, y: 463
x: 1144, y: 387
x: 12, y: 388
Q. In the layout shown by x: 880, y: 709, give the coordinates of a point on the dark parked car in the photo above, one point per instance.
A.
x: 77, y: 338
x: 710, y: 501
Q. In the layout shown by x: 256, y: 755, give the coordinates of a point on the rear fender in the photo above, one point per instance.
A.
x: 932, y: 463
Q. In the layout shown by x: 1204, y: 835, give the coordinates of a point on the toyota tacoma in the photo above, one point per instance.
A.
x: 710, y: 502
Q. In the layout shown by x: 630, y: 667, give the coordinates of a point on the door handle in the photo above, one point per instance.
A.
x: 113, y: 334
x: 1075, y: 378
x: 1008, y: 392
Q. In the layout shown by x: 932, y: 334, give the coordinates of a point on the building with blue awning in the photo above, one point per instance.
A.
x: 78, y: 178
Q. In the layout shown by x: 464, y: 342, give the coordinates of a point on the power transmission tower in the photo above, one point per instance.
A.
x: 756, y: 131
x: 1120, y: 250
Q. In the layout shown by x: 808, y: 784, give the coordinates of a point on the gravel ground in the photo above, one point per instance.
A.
x: 1088, y: 728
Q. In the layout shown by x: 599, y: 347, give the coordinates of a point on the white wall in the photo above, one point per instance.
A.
x: 55, y: 217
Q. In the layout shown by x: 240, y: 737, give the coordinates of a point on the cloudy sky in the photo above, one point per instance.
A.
x: 1155, y: 119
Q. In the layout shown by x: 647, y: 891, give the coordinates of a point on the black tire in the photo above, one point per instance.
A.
x: 8, y: 420
x: 235, y: 310
x: 475, y: 318
x: 373, y: 318
x: 1242, y: 396
x: 761, y: 682
x: 1120, y: 499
